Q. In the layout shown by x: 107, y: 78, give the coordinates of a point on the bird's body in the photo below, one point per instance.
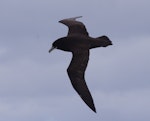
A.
x: 79, y: 43
x: 70, y: 43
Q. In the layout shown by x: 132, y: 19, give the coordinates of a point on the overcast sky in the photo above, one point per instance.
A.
x: 34, y: 85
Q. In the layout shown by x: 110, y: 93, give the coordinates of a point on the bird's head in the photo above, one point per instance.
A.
x: 58, y: 44
x: 54, y: 46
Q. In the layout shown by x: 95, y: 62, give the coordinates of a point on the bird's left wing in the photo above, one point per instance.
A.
x: 75, y: 27
x: 76, y: 71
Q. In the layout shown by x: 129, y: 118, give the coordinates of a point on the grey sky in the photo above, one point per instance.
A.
x: 117, y: 76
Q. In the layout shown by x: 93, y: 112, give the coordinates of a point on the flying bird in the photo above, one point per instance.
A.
x: 79, y: 43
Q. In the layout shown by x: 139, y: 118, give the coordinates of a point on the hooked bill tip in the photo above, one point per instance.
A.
x: 52, y: 48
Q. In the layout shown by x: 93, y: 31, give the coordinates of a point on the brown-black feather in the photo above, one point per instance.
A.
x: 79, y: 43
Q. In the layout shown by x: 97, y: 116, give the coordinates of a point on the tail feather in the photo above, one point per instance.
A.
x: 102, y: 41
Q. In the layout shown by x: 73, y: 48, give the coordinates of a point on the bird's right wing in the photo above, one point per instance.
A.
x: 76, y: 71
x: 75, y: 27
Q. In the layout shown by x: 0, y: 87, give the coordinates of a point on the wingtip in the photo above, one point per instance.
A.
x: 71, y: 19
x: 94, y: 109
x: 77, y: 17
x: 74, y: 18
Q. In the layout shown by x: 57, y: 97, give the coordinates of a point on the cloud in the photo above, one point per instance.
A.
x: 125, y: 62
x: 2, y: 51
x: 130, y: 105
x: 117, y: 77
x: 34, y: 84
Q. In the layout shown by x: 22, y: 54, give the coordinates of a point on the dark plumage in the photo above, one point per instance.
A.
x: 79, y: 43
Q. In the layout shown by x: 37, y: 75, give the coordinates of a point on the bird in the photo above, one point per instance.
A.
x: 79, y: 43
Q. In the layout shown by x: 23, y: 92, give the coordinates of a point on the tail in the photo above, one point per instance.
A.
x: 102, y: 41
